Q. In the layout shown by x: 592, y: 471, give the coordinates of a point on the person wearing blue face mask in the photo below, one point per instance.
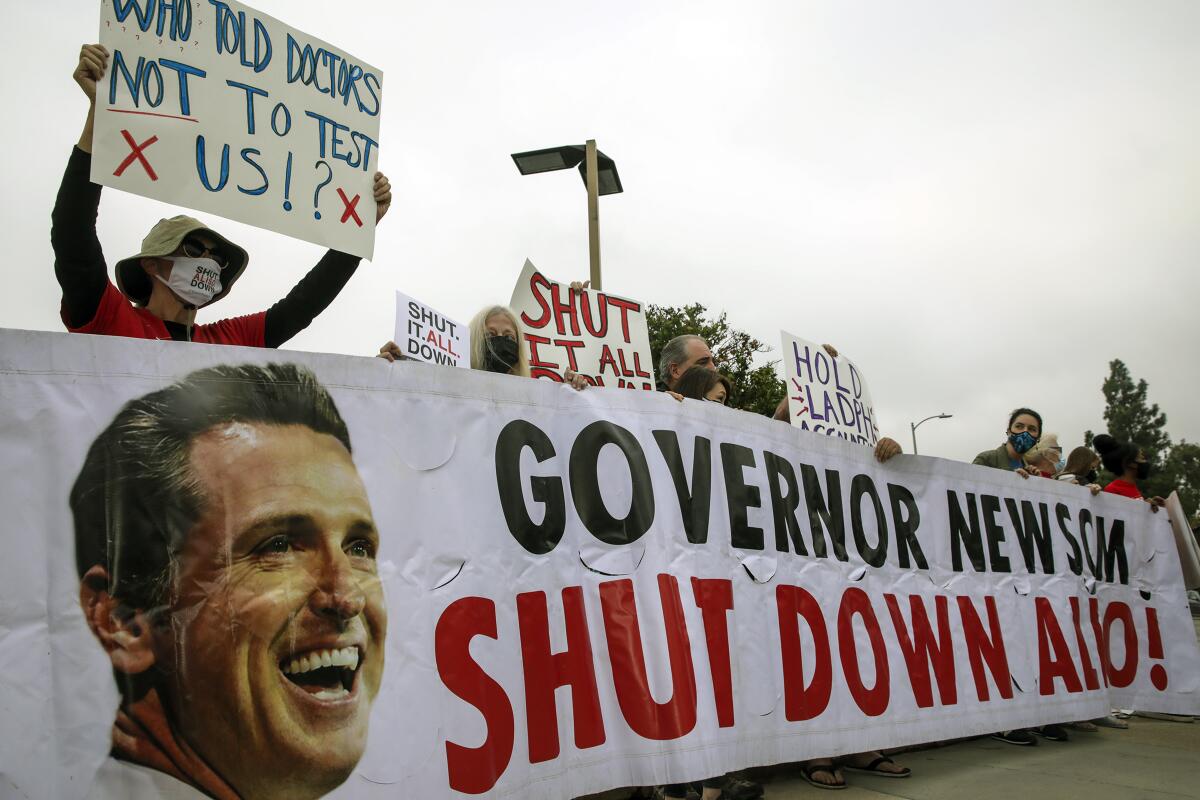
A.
x: 1024, y: 431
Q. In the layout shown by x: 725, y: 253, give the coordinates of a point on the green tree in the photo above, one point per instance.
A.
x: 1130, y: 417
x: 1181, y: 472
x: 756, y: 389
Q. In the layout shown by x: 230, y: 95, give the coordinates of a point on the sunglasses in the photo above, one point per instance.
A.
x: 194, y: 248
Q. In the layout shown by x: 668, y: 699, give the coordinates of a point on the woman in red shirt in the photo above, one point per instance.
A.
x: 1126, y: 460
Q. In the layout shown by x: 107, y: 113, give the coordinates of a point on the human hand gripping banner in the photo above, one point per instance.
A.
x: 248, y: 573
x: 218, y: 107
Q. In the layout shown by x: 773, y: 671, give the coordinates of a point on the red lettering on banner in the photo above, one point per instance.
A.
x: 1090, y: 679
x: 563, y: 311
x: 607, y: 360
x: 1057, y: 664
x: 1101, y: 642
x: 1158, y: 673
x: 473, y: 770
x: 802, y: 702
x: 537, y: 281
x: 922, y: 649
x: 873, y: 701
x: 984, y: 648
x: 637, y: 366
x: 714, y: 598
x: 535, y: 360
x: 626, y: 306
x: 546, y: 671
x: 601, y: 311
x: 1124, y: 676
x: 659, y: 721
x: 571, y: 345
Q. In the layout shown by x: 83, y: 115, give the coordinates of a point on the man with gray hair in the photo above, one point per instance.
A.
x: 680, y: 354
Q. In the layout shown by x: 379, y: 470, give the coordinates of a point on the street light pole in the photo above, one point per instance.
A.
x: 599, y: 174
x: 915, y: 425
x: 593, y: 198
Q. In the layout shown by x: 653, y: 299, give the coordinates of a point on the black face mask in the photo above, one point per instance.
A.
x: 1091, y: 477
x: 499, y: 354
x: 1143, y: 470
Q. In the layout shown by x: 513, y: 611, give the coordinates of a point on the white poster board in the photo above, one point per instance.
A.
x: 827, y: 395
x: 598, y: 335
x: 217, y: 107
x: 423, y: 334
x: 1185, y: 540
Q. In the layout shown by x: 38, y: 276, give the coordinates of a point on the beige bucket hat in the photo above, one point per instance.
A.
x: 163, y: 240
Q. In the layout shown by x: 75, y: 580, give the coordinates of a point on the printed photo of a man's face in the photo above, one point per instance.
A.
x: 227, y: 554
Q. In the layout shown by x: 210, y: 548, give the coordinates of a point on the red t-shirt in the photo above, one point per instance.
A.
x: 1124, y: 488
x: 116, y: 316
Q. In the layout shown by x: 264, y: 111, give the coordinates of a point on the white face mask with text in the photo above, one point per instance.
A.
x: 194, y: 280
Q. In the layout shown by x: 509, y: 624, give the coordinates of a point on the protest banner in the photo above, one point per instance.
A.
x: 218, y: 107
x: 827, y: 395
x: 340, y: 578
x: 600, y: 336
x: 1185, y: 541
x: 423, y: 334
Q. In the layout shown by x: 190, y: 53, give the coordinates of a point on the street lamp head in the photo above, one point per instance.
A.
x: 607, y: 179
x: 945, y: 416
x: 567, y: 156
x: 548, y: 160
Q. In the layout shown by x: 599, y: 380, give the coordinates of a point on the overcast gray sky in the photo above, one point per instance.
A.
x: 980, y: 203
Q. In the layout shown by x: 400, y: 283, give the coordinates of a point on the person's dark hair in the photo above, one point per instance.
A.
x: 674, y: 352
x: 1079, y: 462
x: 1115, y: 454
x: 696, y: 382
x: 135, y: 498
x: 1019, y: 411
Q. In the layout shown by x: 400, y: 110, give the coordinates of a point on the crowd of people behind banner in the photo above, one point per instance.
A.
x: 184, y: 266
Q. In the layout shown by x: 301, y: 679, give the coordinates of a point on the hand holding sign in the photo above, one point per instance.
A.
x: 93, y: 62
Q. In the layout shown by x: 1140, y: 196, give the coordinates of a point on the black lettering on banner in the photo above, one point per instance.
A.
x: 1085, y: 522
x: 1075, y: 559
x: 965, y: 534
x: 876, y: 555
x: 998, y: 562
x: 585, y: 486
x: 784, y: 506
x: 741, y: 496
x: 694, y: 503
x: 1116, y: 552
x: 537, y: 538
x: 1109, y: 550
x: 822, y: 516
x: 1030, y: 533
x: 906, y: 516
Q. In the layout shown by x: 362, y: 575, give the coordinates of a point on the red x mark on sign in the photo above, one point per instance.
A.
x: 136, y: 154
x: 349, y: 204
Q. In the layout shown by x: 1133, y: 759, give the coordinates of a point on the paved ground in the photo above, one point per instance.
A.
x: 1153, y: 759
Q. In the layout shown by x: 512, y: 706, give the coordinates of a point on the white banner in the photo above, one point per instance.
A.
x: 600, y: 336
x: 827, y: 395
x: 218, y: 107
x: 438, y: 583
x: 423, y: 334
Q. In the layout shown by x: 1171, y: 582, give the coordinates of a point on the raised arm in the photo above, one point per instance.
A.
x: 321, y: 285
x: 78, y: 260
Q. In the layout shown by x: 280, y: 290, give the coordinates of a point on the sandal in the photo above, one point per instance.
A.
x: 873, y: 768
x: 808, y: 770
